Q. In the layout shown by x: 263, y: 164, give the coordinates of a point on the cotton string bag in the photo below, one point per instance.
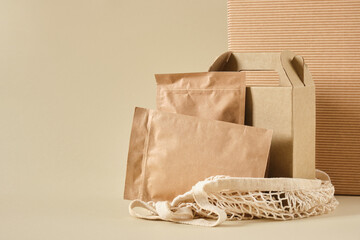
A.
x: 220, y: 198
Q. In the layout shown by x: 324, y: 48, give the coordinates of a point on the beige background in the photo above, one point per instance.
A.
x: 71, y: 73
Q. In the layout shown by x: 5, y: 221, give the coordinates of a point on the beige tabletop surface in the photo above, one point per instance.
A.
x: 109, y: 219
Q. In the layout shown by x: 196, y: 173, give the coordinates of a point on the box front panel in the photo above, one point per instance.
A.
x: 271, y: 108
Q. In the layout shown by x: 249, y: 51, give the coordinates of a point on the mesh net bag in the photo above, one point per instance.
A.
x: 220, y: 198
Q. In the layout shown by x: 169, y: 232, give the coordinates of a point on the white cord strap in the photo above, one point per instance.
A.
x: 162, y: 210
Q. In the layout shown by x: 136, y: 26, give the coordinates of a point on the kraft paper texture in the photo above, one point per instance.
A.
x: 169, y: 153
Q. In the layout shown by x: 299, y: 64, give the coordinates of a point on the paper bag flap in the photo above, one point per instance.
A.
x: 290, y: 67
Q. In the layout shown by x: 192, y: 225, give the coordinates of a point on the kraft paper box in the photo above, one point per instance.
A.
x: 288, y: 109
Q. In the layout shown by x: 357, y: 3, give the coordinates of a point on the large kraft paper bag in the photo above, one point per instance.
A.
x: 169, y: 153
x: 211, y: 95
x: 288, y: 109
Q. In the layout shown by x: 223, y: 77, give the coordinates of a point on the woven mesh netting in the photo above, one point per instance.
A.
x: 278, y: 205
x: 227, y: 198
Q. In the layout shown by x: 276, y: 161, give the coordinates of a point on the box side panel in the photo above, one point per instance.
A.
x: 304, y: 132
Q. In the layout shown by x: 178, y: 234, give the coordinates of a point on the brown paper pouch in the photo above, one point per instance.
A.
x: 170, y: 152
x: 211, y: 95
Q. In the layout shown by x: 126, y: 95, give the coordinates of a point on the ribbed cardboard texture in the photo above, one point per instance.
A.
x: 288, y: 109
x: 327, y: 34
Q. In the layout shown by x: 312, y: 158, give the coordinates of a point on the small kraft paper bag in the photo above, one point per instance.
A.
x: 211, y: 95
x: 288, y: 109
x: 170, y: 152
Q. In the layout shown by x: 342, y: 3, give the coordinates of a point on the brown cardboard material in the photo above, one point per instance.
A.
x: 211, y: 95
x: 169, y: 153
x: 326, y: 33
x: 288, y: 109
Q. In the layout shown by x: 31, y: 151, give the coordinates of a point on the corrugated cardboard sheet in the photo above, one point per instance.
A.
x: 327, y: 35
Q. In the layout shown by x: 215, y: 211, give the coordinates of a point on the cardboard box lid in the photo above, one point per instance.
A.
x: 291, y: 68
